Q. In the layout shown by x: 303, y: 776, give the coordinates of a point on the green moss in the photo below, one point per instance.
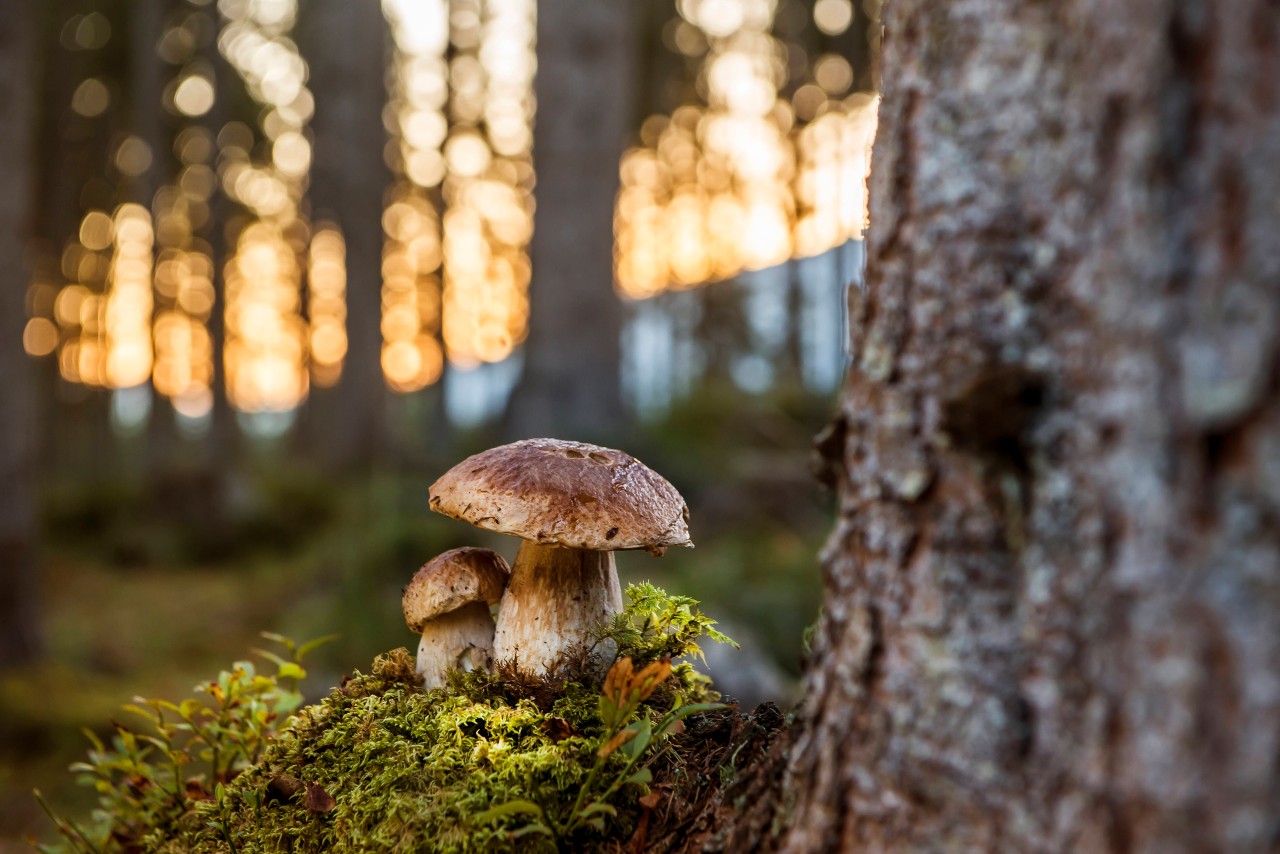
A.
x: 496, y: 761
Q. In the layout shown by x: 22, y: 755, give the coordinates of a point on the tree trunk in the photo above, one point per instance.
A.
x: 222, y: 449
x: 344, y: 43
x: 19, y: 583
x: 147, y: 121
x: 1053, y: 590
x: 571, y: 385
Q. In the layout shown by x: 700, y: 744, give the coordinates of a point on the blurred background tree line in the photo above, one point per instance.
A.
x: 272, y: 265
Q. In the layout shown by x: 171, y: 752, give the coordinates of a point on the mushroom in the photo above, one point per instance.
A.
x: 574, y: 505
x: 447, y: 602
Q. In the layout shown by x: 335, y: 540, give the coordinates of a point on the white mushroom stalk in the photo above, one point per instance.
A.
x: 460, y: 640
x: 556, y: 599
x: 573, y: 504
x: 447, y: 603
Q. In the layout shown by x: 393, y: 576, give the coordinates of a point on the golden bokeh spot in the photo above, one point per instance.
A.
x: 91, y: 98
x: 39, y: 337
x: 194, y: 95
x: 833, y: 17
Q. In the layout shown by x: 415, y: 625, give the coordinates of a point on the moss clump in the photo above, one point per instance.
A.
x: 497, y: 761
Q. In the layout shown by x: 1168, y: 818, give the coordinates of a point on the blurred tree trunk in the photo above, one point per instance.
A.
x: 19, y: 587
x: 222, y: 448
x: 345, y: 45
x: 147, y: 121
x: 571, y: 384
x: 1053, y: 590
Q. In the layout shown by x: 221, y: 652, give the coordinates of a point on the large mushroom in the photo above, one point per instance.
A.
x: 574, y: 505
x: 447, y: 602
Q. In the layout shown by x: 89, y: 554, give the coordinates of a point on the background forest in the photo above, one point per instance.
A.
x: 273, y: 265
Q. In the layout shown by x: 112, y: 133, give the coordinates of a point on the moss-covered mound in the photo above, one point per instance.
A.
x: 625, y: 753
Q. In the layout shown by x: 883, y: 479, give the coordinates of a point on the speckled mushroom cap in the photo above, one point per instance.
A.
x: 453, y: 579
x: 568, y: 494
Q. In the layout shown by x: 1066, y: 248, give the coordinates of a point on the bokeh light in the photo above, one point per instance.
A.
x: 327, y: 304
x: 767, y: 165
x: 456, y: 266
x: 749, y: 178
x: 128, y: 299
x: 194, y: 95
x: 39, y: 336
x: 831, y: 181
x: 91, y: 98
x: 266, y: 346
x: 269, y: 345
x: 833, y: 17
x: 184, y: 274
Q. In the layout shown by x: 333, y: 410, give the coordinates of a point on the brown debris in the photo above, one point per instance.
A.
x: 700, y: 807
x: 283, y: 788
x: 318, y: 800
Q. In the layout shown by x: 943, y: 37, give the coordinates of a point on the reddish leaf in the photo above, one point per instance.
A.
x: 557, y: 729
x: 196, y: 791
x: 614, y: 743
x: 318, y: 800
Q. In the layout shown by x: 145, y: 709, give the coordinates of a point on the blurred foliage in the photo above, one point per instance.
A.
x: 147, y: 779
x: 758, y: 518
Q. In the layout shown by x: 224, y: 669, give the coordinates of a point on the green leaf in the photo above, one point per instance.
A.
x: 607, y: 711
x: 190, y: 707
x: 643, y: 777
x: 643, y: 734
x: 597, y: 807
x: 156, y: 742
x: 316, y: 643
x: 290, y: 670
x: 285, y: 642
x: 279, y: 661
x: 287, y: 702
x: 721, y: 637
x: 532, y: 827
x: 510, y: 808
x: 138, y: 710
x: 93, y: 739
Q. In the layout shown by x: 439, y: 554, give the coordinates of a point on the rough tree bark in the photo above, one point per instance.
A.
x: 19, y: 583
x: 570, y: 386
x: 1053, y: 590
x: 345, y: 46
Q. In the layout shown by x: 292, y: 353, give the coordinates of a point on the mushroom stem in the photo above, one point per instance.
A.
x: 458, y: 640
x: 555, y: 599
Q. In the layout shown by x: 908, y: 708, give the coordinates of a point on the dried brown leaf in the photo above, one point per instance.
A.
x: 318, y: 800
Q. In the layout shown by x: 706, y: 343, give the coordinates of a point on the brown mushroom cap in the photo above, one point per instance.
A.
x: 451, y: 580
x: 568, y: 494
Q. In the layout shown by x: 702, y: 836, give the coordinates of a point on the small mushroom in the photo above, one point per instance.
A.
x: 447, y: 602
x: 574, y: 505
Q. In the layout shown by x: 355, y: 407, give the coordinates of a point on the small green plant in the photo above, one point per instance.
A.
x: 149, y: 778
x: 625, y: 735
x: 655, y: 625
